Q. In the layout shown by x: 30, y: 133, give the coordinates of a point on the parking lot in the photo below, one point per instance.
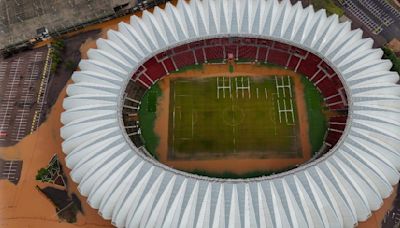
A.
x: 378, y: 17
x: 10, y: 170
x: 22, y: 80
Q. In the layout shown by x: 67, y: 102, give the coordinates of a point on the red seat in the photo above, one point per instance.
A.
x: 277, y: 57
x: 212, y: 42
x: 326, y: 87
x: 336, y: 98
x: 231, y: 49
x: 184, y: 59
x: 327, y: 68
x: 262, y: 54
x: 199, y: 55
x: 154, y: 69
x: 294, y: 60
x: 338, y: 119
x: 339, y: 127
x: 181, y: 48
x: 281, y: 46
x: 265, y: 43
x: 145, y: 81
x: 298, y: 52
x: 169, y: 65
x: 161, y: 56
x: 309, y: 66
x: 247, y: 52
x: 333, y: 137
x: 216, y: 52
x: 316, y: 77
x: 197, y: 44
x: 338, y: 106
x: 335, y: 79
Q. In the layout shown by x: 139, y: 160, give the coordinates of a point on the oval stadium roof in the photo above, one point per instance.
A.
x: 337, y: 190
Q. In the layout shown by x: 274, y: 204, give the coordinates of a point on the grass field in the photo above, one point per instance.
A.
x: 232, y: 116
x: 317, y: 119
x: 217, y: 126
x: 147, y: 116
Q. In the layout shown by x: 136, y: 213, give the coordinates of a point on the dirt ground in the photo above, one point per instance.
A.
x: 231, y: 164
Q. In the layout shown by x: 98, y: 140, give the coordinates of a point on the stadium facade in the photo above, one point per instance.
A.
x: 133, y: 190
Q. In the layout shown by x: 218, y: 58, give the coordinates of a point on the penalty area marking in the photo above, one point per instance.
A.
x: 284, y: 108
x: 242, y: 86
x: 223, y: 87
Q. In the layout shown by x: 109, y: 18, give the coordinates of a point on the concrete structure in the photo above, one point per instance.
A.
x: 133, y: 190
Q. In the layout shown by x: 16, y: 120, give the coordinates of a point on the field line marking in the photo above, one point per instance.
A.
x: 273, y: 115
x: 291, y: 107
x: 257, y: 92
x: 233, y: 131
x: 241, y: 87
x: 279, y: 111
x: 223, y: 85
x: 276, y: 85
x: 248, y: 86
x: 283, y: 87
x: 230, y: 87
x: 236, y: 88
x: 285, y: 110
x: 217, y: 87
x: 266, y: 93
x: 290, y: 87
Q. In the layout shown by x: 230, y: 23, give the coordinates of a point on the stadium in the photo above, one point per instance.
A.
x: 218, y: 50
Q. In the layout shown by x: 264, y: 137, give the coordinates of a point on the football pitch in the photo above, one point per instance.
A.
x: 241, y: 117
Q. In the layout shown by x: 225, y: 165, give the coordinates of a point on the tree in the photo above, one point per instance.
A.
x: 41, y: 173
x: 70, y: 65
x: 390, y: 55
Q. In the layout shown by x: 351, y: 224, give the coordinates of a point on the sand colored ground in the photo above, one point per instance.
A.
x: 23, y: 205
x: 231, y: 164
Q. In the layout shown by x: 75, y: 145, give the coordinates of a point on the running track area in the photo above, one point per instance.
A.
x: 23, y: 83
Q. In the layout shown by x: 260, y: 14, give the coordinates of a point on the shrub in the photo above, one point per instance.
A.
x: 70, y: 65
x: 41, y: 173
x: 390, y: 55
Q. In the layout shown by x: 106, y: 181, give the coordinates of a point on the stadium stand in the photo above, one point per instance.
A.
x: 313, y: 67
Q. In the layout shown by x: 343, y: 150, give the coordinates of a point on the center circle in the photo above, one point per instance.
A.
x: 233, y: 116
